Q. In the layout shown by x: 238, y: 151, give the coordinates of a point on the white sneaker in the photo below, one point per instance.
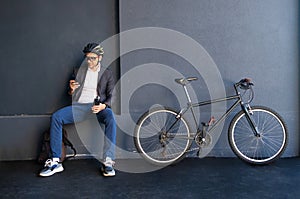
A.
x: 107, y: 168
x: 51, y: 168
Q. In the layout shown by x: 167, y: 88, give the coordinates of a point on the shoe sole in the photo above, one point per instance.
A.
x: 61, y: 169
x: 107, y: 174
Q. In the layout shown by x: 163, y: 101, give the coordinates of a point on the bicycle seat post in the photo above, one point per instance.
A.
x: 187, y: 95
x: 184, y: 82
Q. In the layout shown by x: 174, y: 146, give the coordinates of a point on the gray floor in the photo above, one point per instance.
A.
x: 191, y: 178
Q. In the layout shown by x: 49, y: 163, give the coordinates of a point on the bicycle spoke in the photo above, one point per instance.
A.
x: 158, y: 145
x: 258, y: 149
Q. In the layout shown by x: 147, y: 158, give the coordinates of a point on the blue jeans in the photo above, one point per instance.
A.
x: 79, y: 113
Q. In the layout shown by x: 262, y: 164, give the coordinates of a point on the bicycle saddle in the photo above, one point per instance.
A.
x: 185, y: 81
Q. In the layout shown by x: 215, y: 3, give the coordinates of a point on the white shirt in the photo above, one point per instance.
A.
x: 89, y: 90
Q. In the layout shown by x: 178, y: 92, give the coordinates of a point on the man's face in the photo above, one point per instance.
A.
x: 92, y: 59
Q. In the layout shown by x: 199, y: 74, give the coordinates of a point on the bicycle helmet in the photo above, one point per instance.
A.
x: 93, y: 48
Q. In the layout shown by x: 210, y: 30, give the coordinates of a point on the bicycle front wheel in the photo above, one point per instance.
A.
x: 268, y: 145
x: 161, y: 137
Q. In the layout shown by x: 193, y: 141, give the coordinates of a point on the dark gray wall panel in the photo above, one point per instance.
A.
x: 250, y: 38
x: 41, y: 42
x: 20, y: 136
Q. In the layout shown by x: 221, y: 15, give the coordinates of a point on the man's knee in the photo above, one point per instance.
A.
x: 56, y: 117
x: 109, y: 118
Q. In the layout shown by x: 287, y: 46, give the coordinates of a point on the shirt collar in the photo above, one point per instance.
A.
x: 98, y: 69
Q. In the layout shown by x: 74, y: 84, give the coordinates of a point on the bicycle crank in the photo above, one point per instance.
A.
x: 203, y: 141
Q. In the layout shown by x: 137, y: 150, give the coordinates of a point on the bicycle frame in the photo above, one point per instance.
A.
x: 163, y: 135
x: 245, y: 107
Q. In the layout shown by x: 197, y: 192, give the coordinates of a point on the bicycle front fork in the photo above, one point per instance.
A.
x: 248, y: 111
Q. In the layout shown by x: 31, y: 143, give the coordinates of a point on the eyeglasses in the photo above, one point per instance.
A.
x: 91, y: 58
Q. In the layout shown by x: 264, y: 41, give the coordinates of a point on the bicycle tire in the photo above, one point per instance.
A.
x: 264, y: 149
x: 148, y: 136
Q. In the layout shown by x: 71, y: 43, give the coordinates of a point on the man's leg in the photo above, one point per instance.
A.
x: 59, y: 118
x: 66, y: 115
x: 107, y: 117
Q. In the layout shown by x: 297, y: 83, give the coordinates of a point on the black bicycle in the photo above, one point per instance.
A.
x: 257, y: 134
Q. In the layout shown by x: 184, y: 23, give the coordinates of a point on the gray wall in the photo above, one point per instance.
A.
x: 41, y: 43
x: 245, y: 38
x: 252, y: 38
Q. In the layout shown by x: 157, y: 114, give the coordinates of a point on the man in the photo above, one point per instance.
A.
x: 91, y: 81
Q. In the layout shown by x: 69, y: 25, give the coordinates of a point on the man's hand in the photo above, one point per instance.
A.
x: 73, y: 85
x: 98, y: 108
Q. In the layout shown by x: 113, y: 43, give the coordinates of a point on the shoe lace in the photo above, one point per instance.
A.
x: 109, y: 163
x: 49, y: 163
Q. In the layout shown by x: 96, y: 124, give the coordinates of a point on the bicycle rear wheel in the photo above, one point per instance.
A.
x: 261, y: 149
x: 162, y: 138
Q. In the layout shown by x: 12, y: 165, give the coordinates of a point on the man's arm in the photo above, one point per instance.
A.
x: 109, y: 82
x: 109, y: 89
x: 73, y: 85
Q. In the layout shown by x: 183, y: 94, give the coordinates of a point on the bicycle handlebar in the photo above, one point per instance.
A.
x: 244, y: 83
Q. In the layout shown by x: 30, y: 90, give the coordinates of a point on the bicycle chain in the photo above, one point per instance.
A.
x: 187, y: 151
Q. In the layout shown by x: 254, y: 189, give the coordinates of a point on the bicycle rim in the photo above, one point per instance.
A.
x: 261, y: 149
x: 161, y: 138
